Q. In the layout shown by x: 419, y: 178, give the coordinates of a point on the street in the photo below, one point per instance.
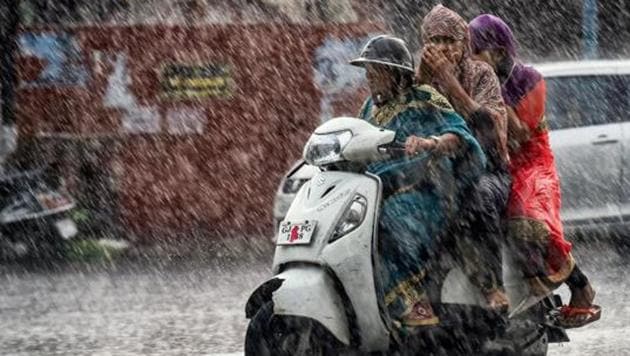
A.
x: 196, y: 307
x: 161, y: 310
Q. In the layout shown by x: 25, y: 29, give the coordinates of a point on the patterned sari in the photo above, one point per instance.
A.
x: 419, y: 190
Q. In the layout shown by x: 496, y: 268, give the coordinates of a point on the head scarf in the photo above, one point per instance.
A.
x: 442, y: 21
x: 490, y: 32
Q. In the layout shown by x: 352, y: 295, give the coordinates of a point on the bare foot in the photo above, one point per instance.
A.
x: 581, y: 310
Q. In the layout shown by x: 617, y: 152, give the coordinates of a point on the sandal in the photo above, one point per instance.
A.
x: 420, y: 314
x: 575, y: 317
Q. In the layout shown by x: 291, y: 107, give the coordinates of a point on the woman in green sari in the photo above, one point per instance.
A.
x: 421, y: 189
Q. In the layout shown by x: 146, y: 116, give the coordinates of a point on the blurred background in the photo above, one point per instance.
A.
x: 164, y: 129
x: 174, y: 117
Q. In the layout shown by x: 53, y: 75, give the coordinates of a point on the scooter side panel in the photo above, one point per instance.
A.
x: 350, y: 257
x: 516, y: 286
x: 458, y: 289
x: 309, y: 291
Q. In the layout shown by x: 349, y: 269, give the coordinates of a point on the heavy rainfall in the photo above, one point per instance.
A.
x: 189, y: 177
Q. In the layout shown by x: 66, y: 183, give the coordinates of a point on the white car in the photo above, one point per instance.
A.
x: 588, y: 108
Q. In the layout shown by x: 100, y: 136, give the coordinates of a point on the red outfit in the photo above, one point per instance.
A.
x: 535, y: 195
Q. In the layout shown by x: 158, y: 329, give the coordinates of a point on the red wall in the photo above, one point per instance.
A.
x: 224, y: 178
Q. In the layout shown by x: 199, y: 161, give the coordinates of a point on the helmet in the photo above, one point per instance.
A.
x: 386, y: 50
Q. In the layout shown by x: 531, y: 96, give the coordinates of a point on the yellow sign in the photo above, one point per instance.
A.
x: 182, y: 81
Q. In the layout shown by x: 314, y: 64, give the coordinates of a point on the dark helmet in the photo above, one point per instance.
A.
x: 386, y: 50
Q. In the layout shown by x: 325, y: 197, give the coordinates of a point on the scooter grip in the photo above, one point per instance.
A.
x: 394, y: 149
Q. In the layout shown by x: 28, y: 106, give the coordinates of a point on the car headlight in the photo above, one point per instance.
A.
x: 352, y: 218
x: 325, y: 149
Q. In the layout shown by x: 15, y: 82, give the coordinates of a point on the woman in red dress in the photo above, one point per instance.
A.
x: 534, y: 225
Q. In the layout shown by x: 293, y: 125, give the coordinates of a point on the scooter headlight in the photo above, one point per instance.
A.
x: 326, y: 149
x: 352, y: 218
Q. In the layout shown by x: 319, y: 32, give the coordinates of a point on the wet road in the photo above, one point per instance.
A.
x: 196, y: 307
x: 190, y: 309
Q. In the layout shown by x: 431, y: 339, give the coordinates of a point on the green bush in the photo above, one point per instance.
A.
x: 89, y: 250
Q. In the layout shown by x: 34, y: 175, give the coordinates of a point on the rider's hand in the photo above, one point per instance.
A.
x: 436, y: 62
x: 415, y: 145
x: 423, y: 73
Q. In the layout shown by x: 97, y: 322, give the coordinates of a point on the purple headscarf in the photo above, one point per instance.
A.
x: 490, y: 32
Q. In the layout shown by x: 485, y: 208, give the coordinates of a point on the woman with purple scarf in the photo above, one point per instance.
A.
x: 534, y: 225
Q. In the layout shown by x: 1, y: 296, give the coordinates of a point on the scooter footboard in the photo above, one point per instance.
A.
x: 309, y: 291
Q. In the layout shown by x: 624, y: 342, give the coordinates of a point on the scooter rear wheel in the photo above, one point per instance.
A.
x: 280, y: 335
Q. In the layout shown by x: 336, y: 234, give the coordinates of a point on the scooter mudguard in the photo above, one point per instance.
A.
x: 308, y: 291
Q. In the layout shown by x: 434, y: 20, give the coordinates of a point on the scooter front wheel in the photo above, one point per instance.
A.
x: 281, y: 335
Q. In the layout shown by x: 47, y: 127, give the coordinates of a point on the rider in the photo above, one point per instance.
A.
x: 418, y: 189
x: 534, y: 223
x: 474, y: 90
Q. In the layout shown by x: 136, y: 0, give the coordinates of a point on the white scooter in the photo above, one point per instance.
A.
x: 325, y: 297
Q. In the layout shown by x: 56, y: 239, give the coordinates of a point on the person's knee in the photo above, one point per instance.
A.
x: 489, y: 211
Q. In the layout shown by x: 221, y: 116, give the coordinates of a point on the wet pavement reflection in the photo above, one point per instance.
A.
x: 197, y: 307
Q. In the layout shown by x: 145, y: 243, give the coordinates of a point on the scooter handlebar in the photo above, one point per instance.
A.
x: 394, y: 149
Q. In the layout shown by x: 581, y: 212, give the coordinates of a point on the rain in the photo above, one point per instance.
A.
x: 152, y: 157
